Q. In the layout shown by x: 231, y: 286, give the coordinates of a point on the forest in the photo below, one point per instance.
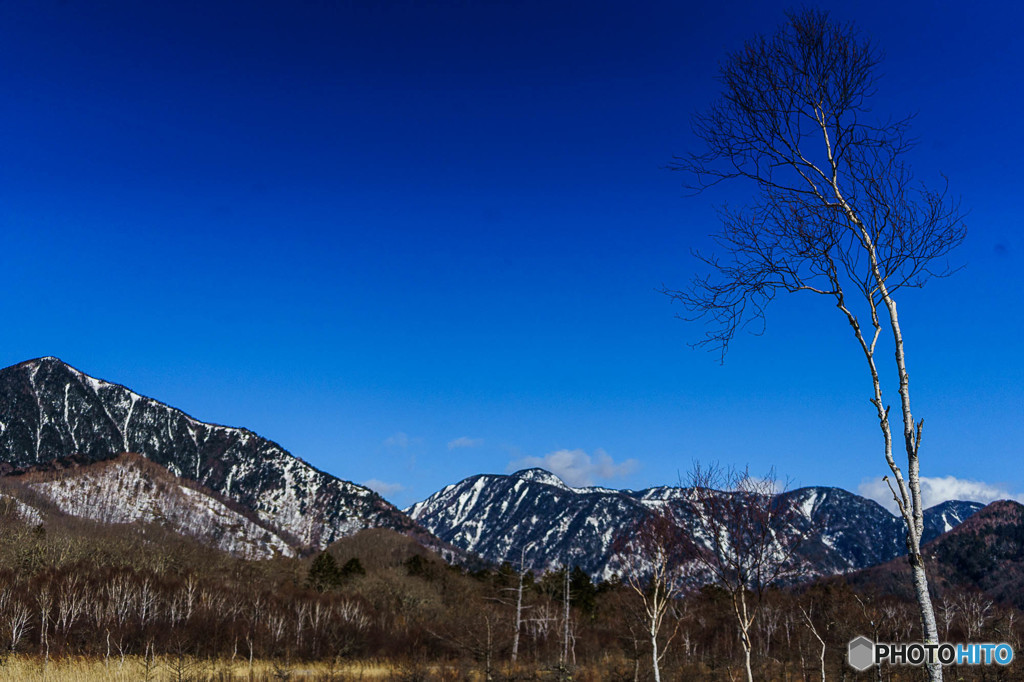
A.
x: 138, y: 602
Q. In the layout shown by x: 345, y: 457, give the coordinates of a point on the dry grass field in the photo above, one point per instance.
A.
x: 136, y: 669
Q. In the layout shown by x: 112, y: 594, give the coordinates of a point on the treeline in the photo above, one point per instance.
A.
x: 113, y: 592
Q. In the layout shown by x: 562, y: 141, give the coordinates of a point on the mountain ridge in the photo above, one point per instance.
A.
x: 532, y: 514
x: 54, y: 416
x: 50, y: 410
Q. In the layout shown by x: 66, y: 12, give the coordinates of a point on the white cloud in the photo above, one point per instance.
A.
x: 764, y: 485
x: 398, y: 440
x: 383, y: 487
x: 576, y: 467
x: 938, y: 489
x: 465, y: 442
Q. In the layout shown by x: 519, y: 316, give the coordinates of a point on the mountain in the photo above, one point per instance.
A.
x: 131, y: 490
x: 232, y: 489
x: 533, y: 514
x: 50, y: 411
x: 944, y: 517
x: 985, y: 552
x: 532, y: 511
x: 845, y: 532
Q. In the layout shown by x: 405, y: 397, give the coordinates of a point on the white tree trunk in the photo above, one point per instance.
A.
x: 744, y: 622
x: 653, y: 622
x: 907, y: 494
x: 565, y: 619
x: 519, y: 609
x: 654, y: 656
x: 915, y: 519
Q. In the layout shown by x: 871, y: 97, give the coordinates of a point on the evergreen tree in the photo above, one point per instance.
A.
x: 352, y: 567
x: 582, y: 591
x: 324, y: 574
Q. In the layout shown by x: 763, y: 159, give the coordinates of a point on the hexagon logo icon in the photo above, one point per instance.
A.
x: 862, y: 653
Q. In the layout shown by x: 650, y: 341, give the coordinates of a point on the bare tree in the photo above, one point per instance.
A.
x: 655, y: 570
x: 838, y: 214
x: 976, y: 611
x: 743, y: 539
x: 822, y: 611
x: 948, y: 610
x: 520, y: 574
x: 479, y: 632
x: 15, y: 618
x: 563, y: 662
x: 872, y: 614
x: 44, y: 602
x: 71, y: 602
x: 18, y: 624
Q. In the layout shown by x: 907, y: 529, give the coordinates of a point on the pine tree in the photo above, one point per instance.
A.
x: 324, y: 574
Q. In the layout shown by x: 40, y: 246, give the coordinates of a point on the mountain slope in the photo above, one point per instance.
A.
x: 131, y: 490
x: 534, y: 513
x: 49, y: 410
x: 985, y: 552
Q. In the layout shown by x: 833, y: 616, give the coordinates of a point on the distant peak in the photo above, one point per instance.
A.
x: 45, y: 360
x: 540, y: 476
x: 52, y: 363
x: 957, y: 503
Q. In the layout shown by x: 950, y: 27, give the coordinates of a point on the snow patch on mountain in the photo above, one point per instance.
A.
x: 538, y: 475
x: 122, y: 492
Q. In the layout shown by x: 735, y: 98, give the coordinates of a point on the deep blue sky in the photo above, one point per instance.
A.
x: 368, y: 229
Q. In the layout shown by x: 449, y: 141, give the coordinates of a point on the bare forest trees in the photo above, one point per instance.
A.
x: 14, y: 619
x: 837, y: 214
x: 655, y: 570
x: 743, y: 540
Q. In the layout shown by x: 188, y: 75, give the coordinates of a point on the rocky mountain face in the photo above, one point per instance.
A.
x: 49, y: 411
x: 533, y: 515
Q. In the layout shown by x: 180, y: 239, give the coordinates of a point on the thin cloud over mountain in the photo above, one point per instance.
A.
x: 576, y: 467
x: 383, y: 487
x: 938, y: 489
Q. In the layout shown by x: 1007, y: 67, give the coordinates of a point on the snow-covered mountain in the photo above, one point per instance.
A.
x: 251, y: 497
x: 49, y: 410
x: 533, y: 514
x: 944, y: 517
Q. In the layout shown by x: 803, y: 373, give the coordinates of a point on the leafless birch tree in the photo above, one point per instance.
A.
x: 520, y: 574
x: 837, y: 214
x: 655, y: 570
x: 742, y: 540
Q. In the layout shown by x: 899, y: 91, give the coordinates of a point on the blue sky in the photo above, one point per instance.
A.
x: 413, y: 242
